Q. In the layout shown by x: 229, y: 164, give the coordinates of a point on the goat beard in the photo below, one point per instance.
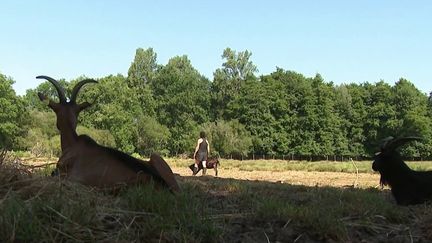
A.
x: 383, y: 181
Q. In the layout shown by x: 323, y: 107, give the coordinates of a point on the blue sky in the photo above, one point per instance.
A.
x: 344, y: 41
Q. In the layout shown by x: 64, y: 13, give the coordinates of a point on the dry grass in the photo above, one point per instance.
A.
x: 239, y: 206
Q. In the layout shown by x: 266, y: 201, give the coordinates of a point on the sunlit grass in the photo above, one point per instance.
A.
x: 283, y: 165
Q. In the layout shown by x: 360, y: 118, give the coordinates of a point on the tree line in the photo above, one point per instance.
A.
x: 163, y: 108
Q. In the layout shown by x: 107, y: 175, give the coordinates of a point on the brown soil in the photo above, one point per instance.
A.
x: 307, y: 178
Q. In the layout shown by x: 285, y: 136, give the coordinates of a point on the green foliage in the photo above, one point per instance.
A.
x: 152, y: 136
x: 228, y: 138
x: 162, y: 108
x: 183, y: 102
x: 102, y: 137
x: 229, y: 80
x: 116, y: 108
x: 141, y: 73
x: 43, y: 139
x: 143, y: 69
x: 32, y: 100
x: 13, y: 114
x: 412, y: 113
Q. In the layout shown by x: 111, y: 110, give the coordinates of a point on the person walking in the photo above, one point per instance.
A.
x: 201, y: 153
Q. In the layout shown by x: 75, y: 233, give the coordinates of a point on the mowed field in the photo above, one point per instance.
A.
x: 294, y: 177
x: 321, y: 173
x: 250, y: 201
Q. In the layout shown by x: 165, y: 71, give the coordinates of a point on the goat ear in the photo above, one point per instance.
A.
x: 57, y: 86
x: 385, y: 142
x: 395, y: 143
x: 164, y: 171
x: 43, y: 98
x: 84, y: 105
x: 47, y: 101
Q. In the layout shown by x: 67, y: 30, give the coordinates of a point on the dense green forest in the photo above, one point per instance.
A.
x: 284, y: 114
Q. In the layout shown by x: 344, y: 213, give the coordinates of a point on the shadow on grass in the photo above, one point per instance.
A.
x: 269, y: 211
x: 35, y: 208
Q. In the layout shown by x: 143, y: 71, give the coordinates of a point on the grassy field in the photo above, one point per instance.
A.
x: 38, y: 208
x: 284, y: 165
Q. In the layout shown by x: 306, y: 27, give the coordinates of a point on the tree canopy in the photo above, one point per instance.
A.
x: 163, y: 108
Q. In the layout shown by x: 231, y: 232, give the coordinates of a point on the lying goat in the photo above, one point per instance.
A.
x: 407, y: 186
x: 86, y: 162
x: 213, y: 163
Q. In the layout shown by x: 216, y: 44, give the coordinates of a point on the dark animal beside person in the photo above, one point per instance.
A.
x: 213, y: 163
x: 85, y: 161
x: 407, y: 186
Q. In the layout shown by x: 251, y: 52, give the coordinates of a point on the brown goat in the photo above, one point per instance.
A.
x: 86, y: 162
x: 212, y: 163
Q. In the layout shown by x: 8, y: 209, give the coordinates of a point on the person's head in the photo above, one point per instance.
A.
x: 202, y: 134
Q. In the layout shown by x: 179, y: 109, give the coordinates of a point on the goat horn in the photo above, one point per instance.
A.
x: 60, y: 91
x: 385, y: 142
x: 78, y: 86
x: 391, y: 144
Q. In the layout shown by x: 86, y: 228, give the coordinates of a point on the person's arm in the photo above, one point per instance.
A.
x: 197, y: 147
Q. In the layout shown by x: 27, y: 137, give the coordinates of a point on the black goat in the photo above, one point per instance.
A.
x: 407, y: 186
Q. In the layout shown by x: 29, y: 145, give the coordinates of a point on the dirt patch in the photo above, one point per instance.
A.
x: 307, y: 178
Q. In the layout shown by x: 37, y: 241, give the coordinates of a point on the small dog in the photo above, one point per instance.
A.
x: 213, y: 163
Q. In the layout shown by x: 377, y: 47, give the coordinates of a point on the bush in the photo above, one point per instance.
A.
x: 228, y: 138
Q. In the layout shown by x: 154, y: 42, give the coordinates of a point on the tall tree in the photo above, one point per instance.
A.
x: 413, y: 117
x: 143, y: 69
x: 430, y: 105
x: 252, y: 107
x: 183, y: 102
x: 329, y: 133
x: 349, y: 104
x: 411, y: 106
x: 141, y: 73
x: 381, y: 120
x: 228, y: 80
x: 287, y: 91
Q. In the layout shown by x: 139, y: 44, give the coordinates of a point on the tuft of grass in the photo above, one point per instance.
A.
x: 38, y: 208
x: 63, y: 211
x: 177, y: 215
x: 332, y: 213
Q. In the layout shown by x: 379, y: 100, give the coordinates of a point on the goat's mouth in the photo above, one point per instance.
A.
x: 383, y: 181
x: 374, y: 167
